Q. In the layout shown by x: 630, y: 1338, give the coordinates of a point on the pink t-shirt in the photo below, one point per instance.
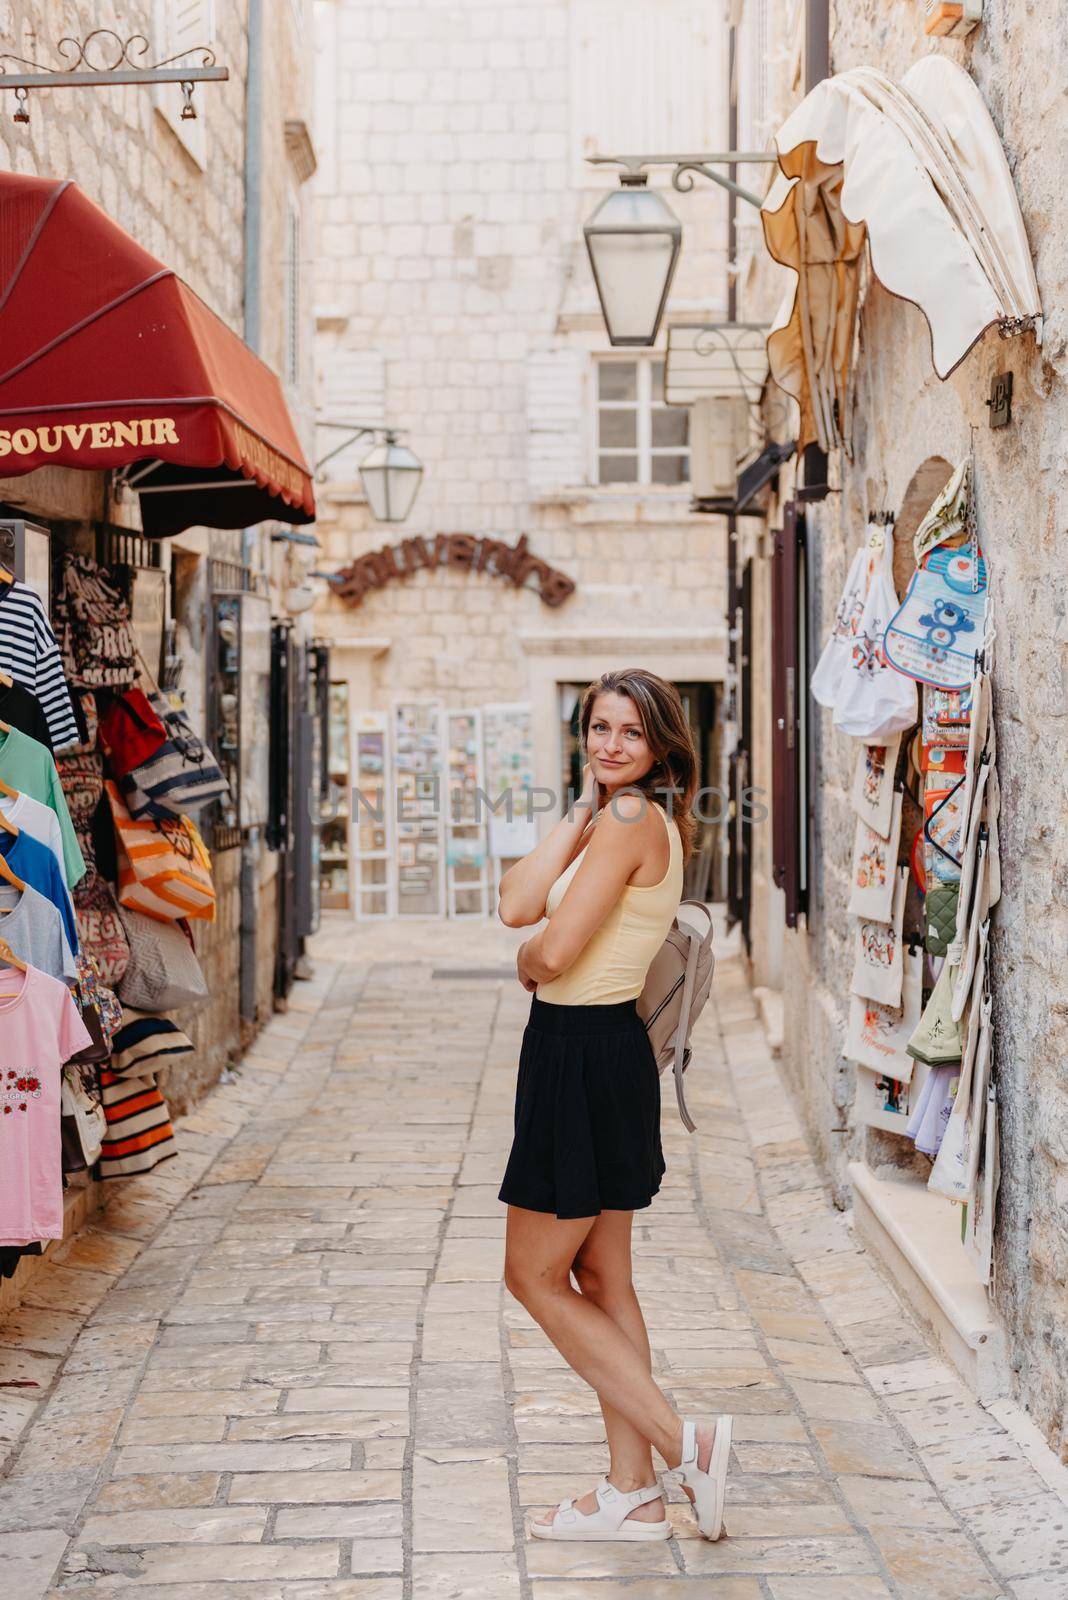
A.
x: 40, y: 1029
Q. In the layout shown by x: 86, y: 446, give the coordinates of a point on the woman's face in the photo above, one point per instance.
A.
x: 616, y: 744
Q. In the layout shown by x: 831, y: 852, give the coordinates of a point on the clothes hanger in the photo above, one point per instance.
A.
x: 5, y: 788
x: 9, y: 876
x: 8, y: 955
x: 6, y: 681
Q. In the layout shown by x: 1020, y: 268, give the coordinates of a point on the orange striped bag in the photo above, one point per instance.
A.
x: 164, y: 866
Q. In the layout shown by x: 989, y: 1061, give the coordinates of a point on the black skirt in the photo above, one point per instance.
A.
x: 587, y: 1113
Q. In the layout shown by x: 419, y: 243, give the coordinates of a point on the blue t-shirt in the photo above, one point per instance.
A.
x: 36, y: 865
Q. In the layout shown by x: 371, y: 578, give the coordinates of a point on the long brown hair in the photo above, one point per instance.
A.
x: 667, y: 733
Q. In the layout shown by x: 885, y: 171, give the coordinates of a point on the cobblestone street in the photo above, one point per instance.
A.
x: 284, y: 1367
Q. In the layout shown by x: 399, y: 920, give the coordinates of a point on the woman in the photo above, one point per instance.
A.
x: 586, y: 1153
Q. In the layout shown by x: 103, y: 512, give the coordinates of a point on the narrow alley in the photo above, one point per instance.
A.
x: 313, y: 1386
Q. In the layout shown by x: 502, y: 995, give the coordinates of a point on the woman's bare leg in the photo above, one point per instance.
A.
x: 539, y: 1252
x: 602, y: 1270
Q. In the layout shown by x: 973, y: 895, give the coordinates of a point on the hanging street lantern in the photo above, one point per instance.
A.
x: 391, y: 475
x: 633, y: 241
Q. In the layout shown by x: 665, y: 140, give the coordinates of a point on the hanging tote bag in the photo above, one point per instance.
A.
x: 100, y: 932
x: 835, y: 655
x: 180, y: 775
x: 87, y: 1121
x: 874, y: 702
x: 130, y: 731
x: 94, y: 631
x: 164, y: 973
x: 164, y: 866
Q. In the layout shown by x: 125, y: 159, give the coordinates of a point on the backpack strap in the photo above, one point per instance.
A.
x: 696, y: 942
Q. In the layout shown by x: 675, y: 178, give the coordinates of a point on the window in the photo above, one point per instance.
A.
x: 182, y: 29
x: 639, y: 438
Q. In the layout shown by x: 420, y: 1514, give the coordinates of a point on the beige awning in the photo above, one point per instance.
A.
x: 917, y: 170
x: 716, y: 361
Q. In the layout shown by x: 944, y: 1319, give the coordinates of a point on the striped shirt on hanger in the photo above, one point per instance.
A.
x: 29, y: 654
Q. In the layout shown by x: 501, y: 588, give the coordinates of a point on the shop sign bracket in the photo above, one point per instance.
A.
x: 104, y: 58
x: 685, y: 168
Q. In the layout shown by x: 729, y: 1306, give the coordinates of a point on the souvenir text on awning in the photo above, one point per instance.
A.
x: 107, y: 359
x: 916, y: 170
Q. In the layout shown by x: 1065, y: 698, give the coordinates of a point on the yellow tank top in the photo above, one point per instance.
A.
x: 614, y: 963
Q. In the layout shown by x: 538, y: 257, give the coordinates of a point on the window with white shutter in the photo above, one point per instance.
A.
x: 181, y: 27
x: 556, y: 421
x: 646, y: 75
x: 352, y: 388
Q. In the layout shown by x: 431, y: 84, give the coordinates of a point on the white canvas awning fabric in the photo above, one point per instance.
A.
x: 915, y: 169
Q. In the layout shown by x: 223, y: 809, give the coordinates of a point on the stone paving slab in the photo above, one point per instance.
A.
x: 284, y: 1367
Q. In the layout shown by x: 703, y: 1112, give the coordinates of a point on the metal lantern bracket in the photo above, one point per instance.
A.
x: 102, y: 59
x: 354, y: 431
x: 686, y: 167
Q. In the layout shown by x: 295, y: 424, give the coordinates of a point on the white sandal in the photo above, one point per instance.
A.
x: 709, y: 1488
x: 609, y: 1521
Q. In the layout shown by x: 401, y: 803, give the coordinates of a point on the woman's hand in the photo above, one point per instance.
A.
x: 529, y: 983
x: 588, y: 797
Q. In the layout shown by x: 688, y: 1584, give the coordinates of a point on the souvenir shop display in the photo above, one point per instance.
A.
x: 834, y: 658
x: 919, y: 1024
x: 888, y: 1102
x: 95, y: 632
x: 934, y: 635
x: 878, y: 965
x: 871, y: 701
x: 40, y: 1030
x: 466, y: 878
x: 877, y: 1034
x: 164, y: 866
x: 30, y: 657
x: 872, y: 794
x: 508, y: 742
x: 419, y: 771
x: 871, y: 891
x: 92, y: 899
x: 374, y: 817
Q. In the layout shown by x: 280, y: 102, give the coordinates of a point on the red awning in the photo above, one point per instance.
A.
x: 109, y: 360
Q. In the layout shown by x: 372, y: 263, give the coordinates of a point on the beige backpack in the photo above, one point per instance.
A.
x: 676, y: 988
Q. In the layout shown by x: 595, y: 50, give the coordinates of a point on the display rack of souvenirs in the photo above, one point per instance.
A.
x: 103, y: 874
x: 910, y: 681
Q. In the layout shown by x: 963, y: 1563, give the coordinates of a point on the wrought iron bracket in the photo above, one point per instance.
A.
x: 685, y: 168
x: 104, y: 58
x: 355, y: 431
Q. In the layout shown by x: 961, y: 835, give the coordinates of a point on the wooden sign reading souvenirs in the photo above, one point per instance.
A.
x: 513, y: 562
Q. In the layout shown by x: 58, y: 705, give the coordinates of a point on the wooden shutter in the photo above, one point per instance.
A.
x: 789, y: 707
x: 182, y: 26
x: 623, y: 53
x: 353, y: 391
x: 556, y: 421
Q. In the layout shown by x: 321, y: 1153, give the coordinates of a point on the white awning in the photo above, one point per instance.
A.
x: 917, y: 169
x: 716, y: 361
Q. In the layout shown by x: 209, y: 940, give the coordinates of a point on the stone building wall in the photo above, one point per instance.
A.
x: 113, y: 143
x: 904, y: 416
x: 450, y: 197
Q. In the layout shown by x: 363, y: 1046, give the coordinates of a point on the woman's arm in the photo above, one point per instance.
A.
x: 525, y: 886
x: 617, y: 847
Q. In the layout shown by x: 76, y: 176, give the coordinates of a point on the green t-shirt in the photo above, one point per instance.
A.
x: 27, y: 766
